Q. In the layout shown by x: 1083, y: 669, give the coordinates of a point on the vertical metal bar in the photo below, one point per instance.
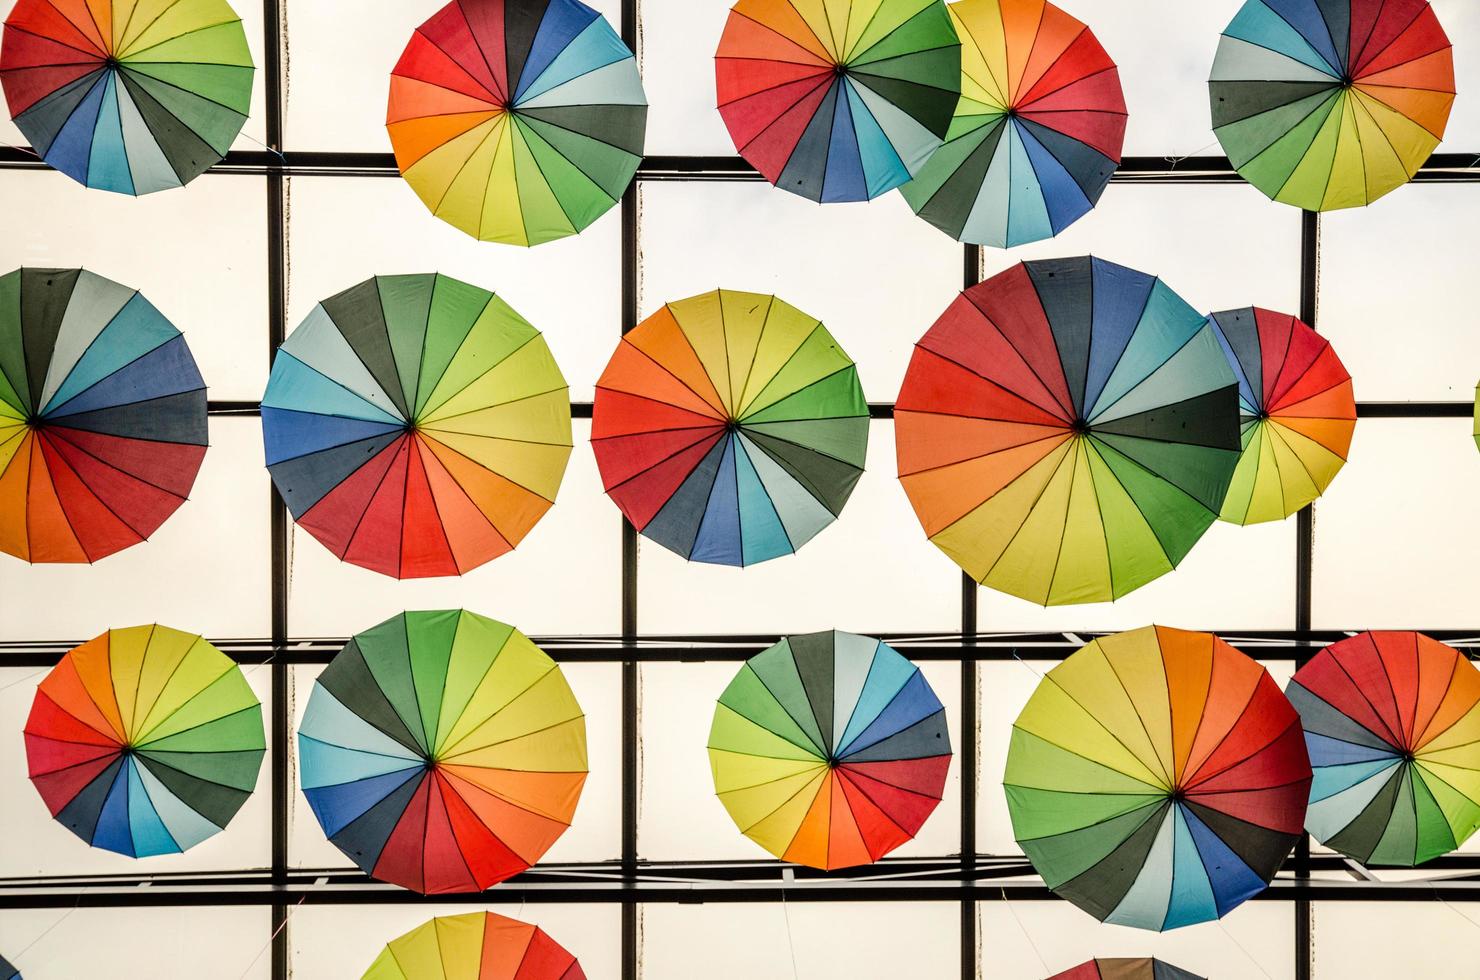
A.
x: 630, y: 679
x: 1310, y: 246
x: 970, y: 763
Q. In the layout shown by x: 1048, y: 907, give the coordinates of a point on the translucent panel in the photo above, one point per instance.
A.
x: 1417, y: 939
x: 679, y: 38
x: 139, y: 944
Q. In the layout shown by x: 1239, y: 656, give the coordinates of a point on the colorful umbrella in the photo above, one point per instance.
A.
x: 838, y: 100
x: 730, y: 427
x: 144, y: 741
x: 1067, y: 430
x: 1037, y: 133
x: 1126, y: 968
x: 829, y: 749
x: 1392, y: 722
x: 1328, y: 104
x: 476, y: 946
x: 1157, y: 778
x: 416, y: 425
x: 442, y: 751
x: 518, y: 121
x: 1297, y: 413
x: 102, y: 416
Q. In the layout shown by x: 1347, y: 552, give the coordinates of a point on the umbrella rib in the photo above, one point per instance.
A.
x: 108, y: 750
x: 688, y: 341
x: 1089, y: 447
x: 493, y: 97
x: 1036, y: 501
x: 1106, y: 729
x: 61, y: 422
x: 469, y: 498
x: 664, y: 368
x: 1196, y: 776
x: 1058, y: 557
x: 495, y: 472
x: 820, y: 752
x: 1424, y: 737
x: 1056, y: 412
x: 440, y: 785
x: 436, y: 423
x: 852, y: 774
x: 1333, y: 70
x: 1283, y: 410
x: 411, y: 761
x: 397, y: 445
x: 1100, y: 412
x: 590, y: 71
x: 129, y: 69
x: 811, y: 768
x: 1160, y: 802
x: 846, y: 750
x: 91, y: 493
x: 1359, y: 64
x: 522, y: 691
x: 1387, y: 680
x: 448, y: 759
x: 782, y: 806
x: 144, y: 739
x: 49, y: 409
x: 417, y: 442
x: 1026, y: 106
x: 741, y: 447
x: 393, y: 411
x: 166, y: 684
x: 1330, y: 105
x: 36, y: 450
x: 844, y: 776
x: 117, y: 738
x: 1313, y: 481
x: 1060, y: 410
x: 498, y: 82
x: 755, y: 351
x: 825, y: 79
x: 509, y: 799
x: 710, y: 429
x: 1381, y: 131
x: 724, y: 342
x: 125, y: 42
x: 133, y: 719
x: 91, y: 58
x: 708, y: 499
x: 780, y: 368
x: 527, y: 131
x: 853, y: 56
x: 429, y: 413
x: 796, y: 391
x: 131, y: 53
x: 791, y: 442
x: 994, y: 452
x: 672, y: 455
x: 493, y: 127
x: 794, y: 9
x: 1141, y: 720
x: 997, y: 88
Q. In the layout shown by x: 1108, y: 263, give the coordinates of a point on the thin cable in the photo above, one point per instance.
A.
x: 63, y: 918
x: 1024, y: 930
x: 271, y: 939
x: 1172, y: 161
x: 1247, y: 955
x: 786, y: 914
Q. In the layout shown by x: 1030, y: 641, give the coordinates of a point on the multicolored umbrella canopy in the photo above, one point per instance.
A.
x: 1296, y: 410
x: 1126, y: 968
x: 829, y: 749
x: 145, y: 741
x: 1067, y: 430
x: 1392, y: 722
x: 518, y: 121
x: 133, y: 96
x: 838, y: 100
x: 1327, y: 104
x: 442, y: 751
x: 730, y: 427
x: 476, y: 946
x: 8, y: 972
x: 1157, y: 778
x: 1037, y: 133
x: 102, y: 416
x: 416, y: 425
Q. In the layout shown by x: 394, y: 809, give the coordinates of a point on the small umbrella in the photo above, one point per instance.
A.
x: 442, y: 751
x: 829, y: 749
x: 517, y: 121
x: 1037, y: 133
x: 1126, y: 968
x: 1327, y: 104
x: 144, y: 741
x: 102, y: 416
x: 1067, y: 430
x: 416, y: 425
x: 1392, y: 722
x: 1157, y: 778
x: 838, y: 100
x: 730, y: 427
x: 476, y: 946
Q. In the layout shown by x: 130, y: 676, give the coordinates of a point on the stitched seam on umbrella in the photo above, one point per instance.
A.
x: 448, y: 760
x: 1335, y: 71
x: 133, y: 719
x: 1088, y: 447
x: 825, y: 80
x: 1204, y: 780
x: 1100, y: 412
x: 796, y: 391
x: 466, y: 496
x: 132, y: 53
x: 853, y: 774
x: 443, y: 749
x: 1068, y: 506
x: 124, y: 40
x: 1365, y: 61
x: 843, y: 776
x: 791, y: 546
x: 411, y: 762
x: 1336, y: 99
x: 995, y: 452
x: 528, y: 130
x: 438, y: 427
x: 848, y: 749
x: 51, y: 409
x: 165, y: 685
x: 817, y: 750
x: 1274, y: 431
x: 1397, y: 738
x: 394, y: 412
x: 429, y: 414
x: 820, y: 42
x: 1023, y: 106
x: 448, y: 755
x: 738, y: 399
x: 451, y: 358
x: 1140, y: 719
x: 763, y: 819
x: 1160, y: 802
x: 799, y: 477
x: 493, y: 129
x: 493, y: 97
x: 1424, y: 737
x: 1213, y: 650
x: 1390, y: 738
x: 979, y: 290
x: 1056, y: 413
x: 91, y: 493
x: 816, y: 326
x: 91, y: 59
x: 439, y: 785
x: 90, y: 20
x: 511, y: 801
x: 1382, y: 132
x: 965, y: 34
x: 398, y: 445
x: 811, y: 769
x: 1034, y: 506
x: 1363, y: 86
x: 497, y: 81
x: 1195, y: 777
x: 1163, y: 790
x: 142, y: 740
x: 128, y: 69
x: 820, y: 59
x: 115, y: 741
x: 553, y: 88
x: 416, y: 443
x: 1347, y: 99
x: 1282, y: 409
x: 1330, y: 94
x: 853, y: 56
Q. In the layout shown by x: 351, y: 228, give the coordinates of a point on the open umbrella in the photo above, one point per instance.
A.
x: 475, y: 946
x: 730, y: 427
x: 416, y: 425
x: 1327, y: 104
x: 442, y: 751
x: 1126, y: 968
x: 1067, y: 430
x: 102, y: 416
x: 838, y: 100
x: 1037, y: 133
x: 829, y: 749
x: 1157, y: 778
x: 8, y: 972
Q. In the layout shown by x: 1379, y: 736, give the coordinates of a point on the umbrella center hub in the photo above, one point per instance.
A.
x: 1080, y: 426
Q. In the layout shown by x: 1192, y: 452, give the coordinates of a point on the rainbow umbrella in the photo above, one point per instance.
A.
x: 518, y: 121
x: 102, y: 416
x: 1157, y: 778
x: 1327, y: 104
x: 1126, y: 968
x: 1067, y: 430
x: 1392, y: 722
x: 476, y: 946
x: 442, y: 751
x: 416, y: 425
x: 838, y: 100
x: 144, y: 741
x: 730, y: 427
x: 1037, y: 133
x: 829, y: 749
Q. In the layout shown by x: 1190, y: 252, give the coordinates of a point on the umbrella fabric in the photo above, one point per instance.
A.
x: 476, y: 946
x: 1126, y: 968
x: 829, y: 749
x: 102, y: 416
x: 442, y: 751
x: 838, y: 100
x: 416, y: 425
x: 1037, y: 133
x: 144, y: 741
x: 1157, y: 778
x: 1327, y: 104
x: 730, y: 427
x: 1067, y: 430
x: 132, y: 96
x: 517, y: 121
x: 8, y: 972
x: 1392, y: 722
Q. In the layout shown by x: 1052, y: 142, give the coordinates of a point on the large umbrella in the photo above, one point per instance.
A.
x: 838, y: 100
x: 475, y: 946
x: 442, y: 751
x: 416, y: 425
x: 730, y: 427
x: 1157, y: 778
x: 102, y: 416
x: 1126, y: 968
x: 1067, y: 430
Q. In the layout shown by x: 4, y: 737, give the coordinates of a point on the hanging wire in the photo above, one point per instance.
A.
x: 60, y: 919
x: 1247, y: 955
x: 787, y: 877
x: 272, y: 938
x: 1024, y: 930
x: 1172, y: 161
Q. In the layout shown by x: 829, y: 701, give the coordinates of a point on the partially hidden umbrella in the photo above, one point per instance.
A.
x: 1157, y: 778
x: 1392, y: 722
x: 416, y: 425
x: 475, y: 946
x: 829, y: 749
x: 442, y: 751
x: 1327, y: 104
x: 838, y: 100
x: 102, y: 416
x: 1037, y: 133
x: 133, y: 96
x: 1126, y: 968
x: 730, y: 427
x: 1067, y: 430
x: 517, y: 121
x: 8, y: 972
x: 144, y: 741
